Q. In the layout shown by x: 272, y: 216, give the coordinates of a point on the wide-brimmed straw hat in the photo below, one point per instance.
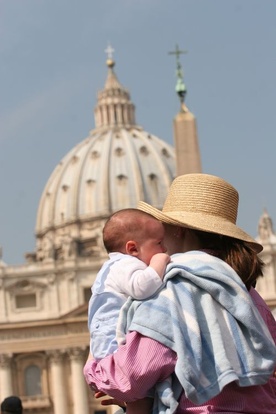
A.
x: 202, y: 202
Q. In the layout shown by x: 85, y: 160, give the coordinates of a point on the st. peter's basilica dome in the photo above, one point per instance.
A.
x: 117, y: 165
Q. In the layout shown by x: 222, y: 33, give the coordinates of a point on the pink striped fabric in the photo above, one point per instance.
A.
x: 128, y: 375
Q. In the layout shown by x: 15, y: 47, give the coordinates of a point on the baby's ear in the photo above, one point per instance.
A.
x: 131, y: 248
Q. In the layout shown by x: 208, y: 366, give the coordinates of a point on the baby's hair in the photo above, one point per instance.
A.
x: 124, y: 225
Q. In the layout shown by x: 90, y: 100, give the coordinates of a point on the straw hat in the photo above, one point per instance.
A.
x: 202, y: 202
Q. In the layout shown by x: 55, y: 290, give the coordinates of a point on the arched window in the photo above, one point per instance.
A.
x: 32, y: 376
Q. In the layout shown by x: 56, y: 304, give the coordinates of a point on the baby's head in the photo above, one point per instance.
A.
x: 134, y: 232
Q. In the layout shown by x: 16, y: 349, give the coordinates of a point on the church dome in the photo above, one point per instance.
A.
x: 117, y: 165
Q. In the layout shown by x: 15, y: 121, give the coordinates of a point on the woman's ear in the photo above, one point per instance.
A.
x: 132, y: 248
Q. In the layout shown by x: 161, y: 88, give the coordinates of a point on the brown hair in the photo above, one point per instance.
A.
x: 237, y: 253
x: 124, y: 225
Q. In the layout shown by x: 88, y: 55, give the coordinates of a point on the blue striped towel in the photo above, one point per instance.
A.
x: 206, y: 315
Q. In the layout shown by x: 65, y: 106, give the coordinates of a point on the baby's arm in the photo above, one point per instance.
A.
x: 134, y: 278
x: 159, y: 263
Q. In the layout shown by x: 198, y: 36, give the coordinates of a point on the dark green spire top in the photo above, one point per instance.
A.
x: 180, y: 85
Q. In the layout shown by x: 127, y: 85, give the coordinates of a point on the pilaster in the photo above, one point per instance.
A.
x: 79, y: 386
x: 5, y: 376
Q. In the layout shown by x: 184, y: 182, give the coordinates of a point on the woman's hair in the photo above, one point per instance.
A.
x: 237, y: 253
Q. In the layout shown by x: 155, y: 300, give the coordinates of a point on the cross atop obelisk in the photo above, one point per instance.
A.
x: 180, y: 85
x: 177, y: 52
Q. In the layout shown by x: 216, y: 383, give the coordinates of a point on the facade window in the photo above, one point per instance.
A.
x: 144, y: 150
x: 32, y: 377
x: 88, y: 247
x: 25, y: 301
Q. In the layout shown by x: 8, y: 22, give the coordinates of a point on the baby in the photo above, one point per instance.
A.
x: 136, y: 266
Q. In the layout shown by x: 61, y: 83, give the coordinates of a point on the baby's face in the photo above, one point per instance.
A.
x: 153, y: 241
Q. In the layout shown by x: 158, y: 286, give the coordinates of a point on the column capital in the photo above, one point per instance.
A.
x: 5, y: 360
x: 76, y: 354
x: 56, y: 355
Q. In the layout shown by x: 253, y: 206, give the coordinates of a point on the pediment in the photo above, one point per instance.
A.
x: 25, y: 286
x: 80, y: 311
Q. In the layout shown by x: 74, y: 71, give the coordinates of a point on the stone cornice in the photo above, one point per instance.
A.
x: 40, y: 336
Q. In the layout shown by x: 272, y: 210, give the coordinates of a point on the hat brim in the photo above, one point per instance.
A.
x: 200, y: 221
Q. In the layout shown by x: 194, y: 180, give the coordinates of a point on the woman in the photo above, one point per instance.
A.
x: 202, y: 340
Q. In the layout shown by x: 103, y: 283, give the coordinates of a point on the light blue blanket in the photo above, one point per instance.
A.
x: 206, y: 315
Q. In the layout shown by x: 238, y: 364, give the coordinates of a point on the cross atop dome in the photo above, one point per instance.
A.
x: 109, y: 51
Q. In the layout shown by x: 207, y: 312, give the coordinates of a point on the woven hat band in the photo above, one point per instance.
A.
x: 200, y: 194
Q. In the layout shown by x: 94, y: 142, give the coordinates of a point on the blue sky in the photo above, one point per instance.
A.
x: 53, y: 63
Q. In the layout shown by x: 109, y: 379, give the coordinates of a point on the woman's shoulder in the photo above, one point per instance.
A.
x: 264, y: 311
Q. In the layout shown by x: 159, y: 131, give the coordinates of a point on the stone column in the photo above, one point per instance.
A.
x: 5, y: 376
x: 58, y: 385
x: 79, y: 386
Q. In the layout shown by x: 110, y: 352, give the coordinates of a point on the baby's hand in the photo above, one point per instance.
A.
x: 109, y: 400
x: 163, y: 258
x: 159, y: 262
